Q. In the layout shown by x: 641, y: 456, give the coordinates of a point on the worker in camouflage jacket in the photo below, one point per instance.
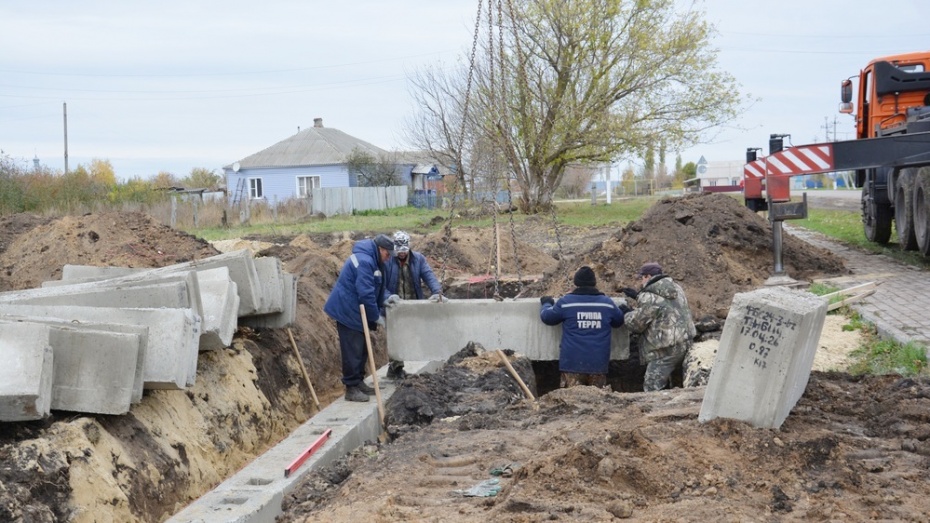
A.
x: 663, y: 318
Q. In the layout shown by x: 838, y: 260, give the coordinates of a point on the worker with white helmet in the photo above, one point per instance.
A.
x: 404, y: 277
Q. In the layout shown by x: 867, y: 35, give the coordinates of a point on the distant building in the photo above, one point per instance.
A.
x: 722, y: 176
x: 316, y: 158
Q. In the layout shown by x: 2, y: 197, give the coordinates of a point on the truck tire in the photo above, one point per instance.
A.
x: 904, y: 210
x: 876, y: 219
x: 922, y: 210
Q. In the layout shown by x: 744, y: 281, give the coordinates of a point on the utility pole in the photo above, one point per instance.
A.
x: 65, y: 112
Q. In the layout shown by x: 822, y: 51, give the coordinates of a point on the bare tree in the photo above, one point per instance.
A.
x: 586, y: 81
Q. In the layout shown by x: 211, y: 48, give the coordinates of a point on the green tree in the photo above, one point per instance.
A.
x: 101, y: 172
x: 371, y: 171
x: 202, y: 178
x: 164, y: 180
x: 591, y: 81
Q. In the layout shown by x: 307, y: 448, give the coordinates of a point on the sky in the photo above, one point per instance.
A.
x: 178, y: 84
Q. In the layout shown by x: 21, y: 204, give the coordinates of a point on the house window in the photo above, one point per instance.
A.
x: 255, y: 188
x: 305, y: 184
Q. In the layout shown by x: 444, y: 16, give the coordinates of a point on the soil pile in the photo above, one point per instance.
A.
x: 35, y: 249
x: 854, y: 449
x: 709, y: 243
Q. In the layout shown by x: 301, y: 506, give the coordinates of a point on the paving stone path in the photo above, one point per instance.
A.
x: 900, y: 307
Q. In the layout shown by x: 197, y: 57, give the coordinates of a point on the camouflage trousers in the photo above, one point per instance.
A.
x: 572, y: 379
x: 658, y: 371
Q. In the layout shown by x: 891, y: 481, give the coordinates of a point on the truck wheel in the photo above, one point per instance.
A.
x: 904, y: 210
x: 876, y: 219
x: 922, y: 210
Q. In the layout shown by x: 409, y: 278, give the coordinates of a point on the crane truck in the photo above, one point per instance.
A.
x: 890, y: 155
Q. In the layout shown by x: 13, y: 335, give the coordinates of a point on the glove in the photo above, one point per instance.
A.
x: 625, y: 308
x: 630, y: 292
x: 372, y: 326
x: 546, y: 300
x: 392, y: 300
x: 438, y: 298
x: 380, y: 321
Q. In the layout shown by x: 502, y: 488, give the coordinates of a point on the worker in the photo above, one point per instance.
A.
x: 587, y: 316
x: 404, y: 277
x: 663, y: 319
x: 360, y: 282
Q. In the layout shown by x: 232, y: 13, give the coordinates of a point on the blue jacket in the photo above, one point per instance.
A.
x: 587, y: 316
x: 419, y: 270
x: 360, y: 282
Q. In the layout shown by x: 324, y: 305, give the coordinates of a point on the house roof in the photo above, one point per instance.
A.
x: 316, y: 145
x: 422, y: 162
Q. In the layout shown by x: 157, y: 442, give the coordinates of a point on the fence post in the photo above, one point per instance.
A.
x: 174, y: 212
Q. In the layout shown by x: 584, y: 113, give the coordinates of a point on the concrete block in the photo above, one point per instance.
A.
x: 139, y: 330
x: 271, y: 282
x: 241, y: 266
x: 420, y: 330
x: 278, y: 320
x: 180, y: 290
x: 173, y: 336
x: 220, y: 300
x: 94, y: 370
x: 82, y: 273
x: 26, y: 374
x: 764, y: 357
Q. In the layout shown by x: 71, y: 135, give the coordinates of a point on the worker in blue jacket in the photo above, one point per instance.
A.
x: 404, y: 276
x: 360, y: 282
x: 587, y: 316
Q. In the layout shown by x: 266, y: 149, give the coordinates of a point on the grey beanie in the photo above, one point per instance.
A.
x: 384, y: 242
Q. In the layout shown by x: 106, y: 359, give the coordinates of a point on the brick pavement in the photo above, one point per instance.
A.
x: 900, y: 307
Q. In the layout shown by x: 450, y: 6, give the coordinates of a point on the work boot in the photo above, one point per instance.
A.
x: 362, y: 386
x: 396, y: 371
x: 355, y: 394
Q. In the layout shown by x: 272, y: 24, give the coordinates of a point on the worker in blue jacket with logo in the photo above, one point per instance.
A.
x: 587, y: 317
x: 360, y: 282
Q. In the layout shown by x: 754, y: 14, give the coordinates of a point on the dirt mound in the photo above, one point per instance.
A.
x: 584, y: 454
x: 106, y: 239
x: 709, y: 243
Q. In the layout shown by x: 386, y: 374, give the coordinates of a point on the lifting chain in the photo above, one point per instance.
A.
x: 460, y: 167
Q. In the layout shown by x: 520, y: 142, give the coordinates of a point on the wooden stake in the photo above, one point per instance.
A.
x: 516, y: 376
x: 371, y: 364
x: 850, y: 290
x: 851, y: 299
x: 303, y: 369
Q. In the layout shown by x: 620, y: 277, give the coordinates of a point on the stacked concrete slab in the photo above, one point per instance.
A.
x: 765, y: 356
x: 102, y: 334
x: 426, y: 331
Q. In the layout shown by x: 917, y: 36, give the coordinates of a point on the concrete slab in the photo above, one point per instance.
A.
x: 765, y: 356
x: 241, y: 265
x: 173, y: 336
x: 176, y: 291
x: 255, y: 493
x: 27, y: 371
x: 271, y: 281
x: 278, y: 320
x: 82, y: 273
x: 140, y: 330
x: 94, y: 370
x: 420, y: 330
x: 220, y: 308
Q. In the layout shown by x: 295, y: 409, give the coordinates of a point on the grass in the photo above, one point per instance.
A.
x: 879, y: 355
x: 575, y: 214
x: 846, y: 227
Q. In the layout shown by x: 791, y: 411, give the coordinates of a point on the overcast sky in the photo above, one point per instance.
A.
x: 178, y: 84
